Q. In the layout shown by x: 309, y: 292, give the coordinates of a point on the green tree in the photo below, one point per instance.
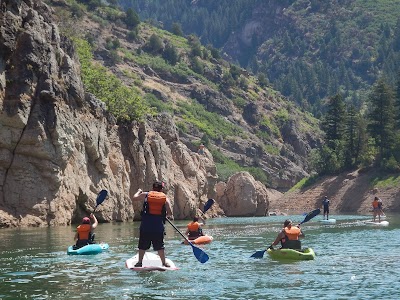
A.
x: 334, y: 121
x: 132, y: 19
x: 177, y: 29
x: 155, y: 44
x: 170, y: 54
x: 381, y: 121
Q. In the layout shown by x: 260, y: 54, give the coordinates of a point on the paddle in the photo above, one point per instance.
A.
x: 200, y: 254
x: 208, y: 205
x: 100, y: 198
x: 309, y: 216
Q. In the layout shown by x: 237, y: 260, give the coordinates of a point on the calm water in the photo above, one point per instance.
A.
x: 354, y: 261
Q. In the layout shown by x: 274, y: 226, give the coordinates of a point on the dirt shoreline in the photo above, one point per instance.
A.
x: 349, y: 193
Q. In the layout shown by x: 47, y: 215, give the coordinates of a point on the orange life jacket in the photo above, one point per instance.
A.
x: 292, y: 233
x: 375, y: 204
x: 193, y: 226
x: 84, y: 231
x: 156, y: 203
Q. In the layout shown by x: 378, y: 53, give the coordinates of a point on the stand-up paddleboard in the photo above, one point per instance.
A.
x: 151, y: 262
x: 377, y: 223
x: 328, y: 222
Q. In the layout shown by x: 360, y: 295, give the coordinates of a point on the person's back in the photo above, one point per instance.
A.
x: 194, y: 229
x: 84, y: 232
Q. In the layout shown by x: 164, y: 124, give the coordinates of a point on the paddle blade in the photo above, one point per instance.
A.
x: 200, y: 254
x: 101, y: 197
x: 208, y: 204
x: 311, y: 215
x: 259, y: 254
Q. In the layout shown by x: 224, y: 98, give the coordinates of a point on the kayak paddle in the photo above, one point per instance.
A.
x: 200, y: 254
x: 309, y: 216
x: 208, y: 205
x: 100, y: 198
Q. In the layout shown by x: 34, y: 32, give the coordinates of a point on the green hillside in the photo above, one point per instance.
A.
x: 308, y: 50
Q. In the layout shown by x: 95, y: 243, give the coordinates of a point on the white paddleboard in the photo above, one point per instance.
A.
x: 376, y: 223
x: 151, y: 262
x: 328, y: 222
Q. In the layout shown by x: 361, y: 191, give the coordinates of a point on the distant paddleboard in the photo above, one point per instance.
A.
x: 151, y: 262
x: 376, y: 223
x: 328, y: 222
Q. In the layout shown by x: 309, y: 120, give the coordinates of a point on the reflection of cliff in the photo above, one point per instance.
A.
x: 348, y: 193
x: 59, y: 147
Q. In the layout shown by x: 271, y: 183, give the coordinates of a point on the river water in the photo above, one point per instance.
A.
x: 353, y: 261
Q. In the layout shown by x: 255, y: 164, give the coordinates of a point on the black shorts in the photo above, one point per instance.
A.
x: 146, y: 239
x: 326, y: 209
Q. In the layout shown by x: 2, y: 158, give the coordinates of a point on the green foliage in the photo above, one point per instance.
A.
x: 304, y: 183
x: 155, y: 44
x: 132, y: 19
x: 226, y: 167
x: 381, y: 118
x: 385, y: 180
x: 158, y: 104
x: 209, y: 123
x: 176, y: 29
x: 122, y: 101
x: 170, y: 54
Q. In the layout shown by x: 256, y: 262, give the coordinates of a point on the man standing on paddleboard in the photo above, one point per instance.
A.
x: 156, y: 207
x: 377, y: 208
x: 325, y: 204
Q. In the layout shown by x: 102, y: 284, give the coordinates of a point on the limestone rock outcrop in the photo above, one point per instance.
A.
x: 59, y: 146
x: 242, y: 195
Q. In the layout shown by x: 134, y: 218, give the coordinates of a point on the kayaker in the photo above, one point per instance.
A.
x: 84, y: 233
x: 194, y: 229
x: 289, y: 236
x: 377, y: 208
x: 156, y: 207
x: 325, y: 204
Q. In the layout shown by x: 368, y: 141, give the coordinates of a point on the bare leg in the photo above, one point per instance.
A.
x: 161, y: 253
x: 141, y: 255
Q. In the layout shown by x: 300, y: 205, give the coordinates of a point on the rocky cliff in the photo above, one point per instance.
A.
x: 59, y: 146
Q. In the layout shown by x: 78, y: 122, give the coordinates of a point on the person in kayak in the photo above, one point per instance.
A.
x: 156, y: 207
x: 377, y: 208
x: 325, y: 204
x: 84, y: 233
x: 289, y: 236
x: 194, y: 229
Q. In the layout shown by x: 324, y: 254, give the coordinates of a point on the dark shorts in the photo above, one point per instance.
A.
x: 326, y: 209
x: 148, y: 238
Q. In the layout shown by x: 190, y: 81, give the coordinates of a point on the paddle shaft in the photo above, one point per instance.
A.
x: 179, y: 231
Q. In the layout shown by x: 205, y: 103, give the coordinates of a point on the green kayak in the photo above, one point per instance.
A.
x: 291, y: 254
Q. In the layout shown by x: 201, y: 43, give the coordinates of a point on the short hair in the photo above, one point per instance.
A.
x: 158, y: 186
x: 287, y: 222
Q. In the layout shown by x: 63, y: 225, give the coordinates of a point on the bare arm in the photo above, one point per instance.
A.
x: 139, y: 195
x: 168, y: 207
x: 280, y: 236
x: 95, y: 223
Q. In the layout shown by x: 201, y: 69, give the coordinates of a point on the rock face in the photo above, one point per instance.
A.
x: 242, y: 196
x: 59, y: 147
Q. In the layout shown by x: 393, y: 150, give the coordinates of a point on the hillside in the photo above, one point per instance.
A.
x: 245, y: 124
x: 309, y: 50
x: 348, y: 192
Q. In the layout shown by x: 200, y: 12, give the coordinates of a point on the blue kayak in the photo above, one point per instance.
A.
x: 88, y: 249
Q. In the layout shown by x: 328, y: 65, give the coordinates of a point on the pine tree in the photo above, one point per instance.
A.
x: 334, y: 121
x: 381, y: 122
